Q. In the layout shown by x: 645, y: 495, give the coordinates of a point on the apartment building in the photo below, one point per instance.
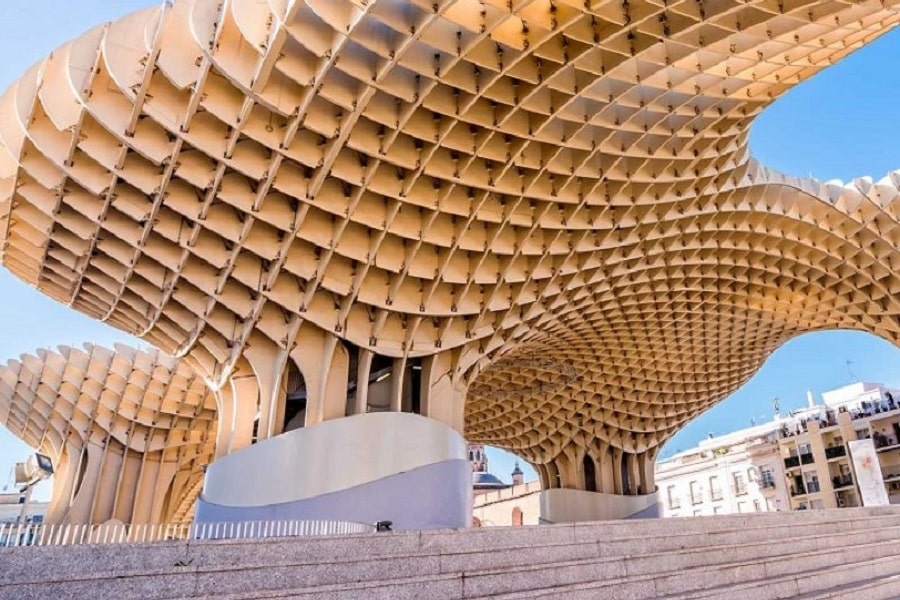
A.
x: 813, y: 445
x: 724, y: 474
x: 794, y: 462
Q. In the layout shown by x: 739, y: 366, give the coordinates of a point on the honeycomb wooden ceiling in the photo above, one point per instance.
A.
x: 560, y: 189
x: 143, y: 402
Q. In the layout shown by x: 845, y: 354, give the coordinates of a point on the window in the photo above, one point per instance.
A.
x: 517, y: 517
x: 698, y: 512
x: 742, y: 507
x: 812, y: 482
x: 672, y: 497
x: 738, y: 484
x: 717, y: 510
x: 766, y: 478
x: 715, y: 492
x: 696, y: 493
x: 806, y: 456
x: 751, y: 474
x: 757, y: 506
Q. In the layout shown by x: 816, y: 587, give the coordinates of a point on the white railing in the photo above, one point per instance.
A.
x: 39, y: 534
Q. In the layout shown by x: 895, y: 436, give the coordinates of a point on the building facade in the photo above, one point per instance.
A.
x: 797, y: 461
x: 814, y: 452
x: 725, y: 474
x: 12, y: 503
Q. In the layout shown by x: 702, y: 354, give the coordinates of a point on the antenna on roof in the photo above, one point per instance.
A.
x: 853, y: 378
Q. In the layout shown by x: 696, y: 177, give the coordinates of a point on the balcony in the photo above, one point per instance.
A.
x: 883, y: 442
x: 798, y: 492
x: 807, y: 458
x: 841, y: 481
x: 835, y: 451
x: 791, y: 461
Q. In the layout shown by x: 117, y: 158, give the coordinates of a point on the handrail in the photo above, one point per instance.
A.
x: 40, y: 534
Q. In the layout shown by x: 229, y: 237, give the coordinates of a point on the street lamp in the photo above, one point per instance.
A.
x: 36, y: 468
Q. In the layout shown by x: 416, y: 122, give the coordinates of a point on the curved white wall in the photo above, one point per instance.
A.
x: 562, y: 505
x: 396, y: 466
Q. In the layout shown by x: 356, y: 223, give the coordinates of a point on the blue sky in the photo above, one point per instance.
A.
x: 842, y: 124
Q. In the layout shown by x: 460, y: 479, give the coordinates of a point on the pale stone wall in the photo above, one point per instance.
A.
x: 497, y: 507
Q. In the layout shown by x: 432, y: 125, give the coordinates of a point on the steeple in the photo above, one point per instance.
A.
x: 518, y: 477
x: 478, y: 458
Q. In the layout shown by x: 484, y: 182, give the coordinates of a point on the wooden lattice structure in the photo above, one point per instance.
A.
x: 552, y: 199
x: 128, y: 431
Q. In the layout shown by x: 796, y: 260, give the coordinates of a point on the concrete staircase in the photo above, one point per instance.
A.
x: 848, y: 553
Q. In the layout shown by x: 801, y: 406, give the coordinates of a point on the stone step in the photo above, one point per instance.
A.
x: 500, y: 536
x: 886, y: 587
x: 463, y: 556
x: 646, y: 587
x: 202, y: 557
x: 615, y: 577
x: 477, y: 561
x: 670, y: 575
x: 842, y: 580
x: 653, y: 558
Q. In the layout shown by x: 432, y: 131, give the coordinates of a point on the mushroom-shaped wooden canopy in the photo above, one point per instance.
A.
x: 128, y: 431
x: 559, y: 190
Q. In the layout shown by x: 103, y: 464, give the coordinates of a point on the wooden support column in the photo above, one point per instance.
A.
x: 631, y: 468
x: 164, y: 477
x: 225, y: 425
x: 363, y: 370
x: 567, y: 463
x: 553, y: 475
x: 398, y: 374
x: 618, y: 484
x: 543, y: 476
x: 245, y: 400
x: 82, y: 503
x: 647, y: 464
x: 268, y: 362
x: 604, y: 462
x: 324, y: 362
x: 66, y: 470
x: 443, y: 395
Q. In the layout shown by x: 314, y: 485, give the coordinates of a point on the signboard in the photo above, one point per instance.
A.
x: 868, y: 473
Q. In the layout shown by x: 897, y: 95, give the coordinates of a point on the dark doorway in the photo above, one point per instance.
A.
x: 590, y: 475
x: 295, y: 399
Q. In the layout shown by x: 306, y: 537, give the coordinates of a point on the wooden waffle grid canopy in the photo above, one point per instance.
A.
x: 128, y: 431
x: 560, y: 191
